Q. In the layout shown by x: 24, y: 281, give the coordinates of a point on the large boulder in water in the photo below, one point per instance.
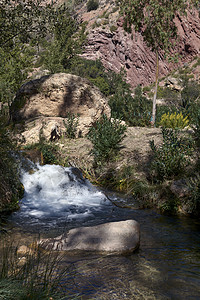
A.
x: 115, y: 237
x: 51, y: 99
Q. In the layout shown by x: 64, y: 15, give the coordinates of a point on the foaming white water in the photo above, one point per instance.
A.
x: 58, y: 193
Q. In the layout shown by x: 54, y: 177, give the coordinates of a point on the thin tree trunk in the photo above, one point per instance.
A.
x: 155, y: 92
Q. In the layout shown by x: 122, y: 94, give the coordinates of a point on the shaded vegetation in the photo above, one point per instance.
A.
x: 35, y: 275
x: 11, y: 189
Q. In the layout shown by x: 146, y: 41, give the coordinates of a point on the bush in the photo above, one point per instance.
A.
x: 174, y: 121
x: 135, y: 111
x: 71, y: 126
x: 196, y: 128
x: 193, y: 200
x: 11, y: 189
x: 106, y: 136
x: 171, y: 158
x: 190, y: 93
x: 95, y: 72
x: 48, y: 152
x: 92, y: 5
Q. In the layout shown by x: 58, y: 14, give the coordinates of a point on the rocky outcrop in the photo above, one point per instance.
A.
x: 44, y: 104
x: 119, y: 50
x: 115, y: 237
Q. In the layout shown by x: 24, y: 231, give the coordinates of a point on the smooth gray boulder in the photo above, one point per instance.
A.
x: 118, y: 237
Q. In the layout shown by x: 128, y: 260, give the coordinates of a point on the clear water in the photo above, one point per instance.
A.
x: 167, y: 265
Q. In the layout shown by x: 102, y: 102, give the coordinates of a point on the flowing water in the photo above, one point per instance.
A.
x: 166, y: 266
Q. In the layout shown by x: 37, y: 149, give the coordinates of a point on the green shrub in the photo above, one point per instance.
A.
x: 92, y: 5
x: 135, y: 111
x: 113, y: 28
x: 193, y: 201
x: 164, y: 109
x: 189, y: 94
x: 48, y: 152
x: 71, y: 126
x: 171, y: 157
x: 106, y: 136
x: 174, y: 121
x: 11, y: 189
x: 168, y: 94
x: 196, y: 127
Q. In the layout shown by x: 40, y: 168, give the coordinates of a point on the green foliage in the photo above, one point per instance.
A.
x: 174, y: 121
x: 190, y: 95
x: 37, y: 277
x: 71, y: 126
x: 11, y: 189
x: 59, y: 53
x: 113, y: 28
x: 135, y: 111
x: 193, y: 200
x: 168, y: 94
x: 48, y: 152
x: 24, y: 26
x: 15, y: 66
x: 155, y: 19
x: 94, y: 71
x: 10, y: 288
x: 106, y: 136
x: 164, y: 109
x: 171, y: 157
x: 196, y: 127
x: 92, y: 5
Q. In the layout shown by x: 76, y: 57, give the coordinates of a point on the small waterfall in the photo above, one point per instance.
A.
x: 55, y: 195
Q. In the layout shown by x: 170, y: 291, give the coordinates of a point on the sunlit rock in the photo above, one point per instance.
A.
x: 43, y: 105
x: 118, y: 237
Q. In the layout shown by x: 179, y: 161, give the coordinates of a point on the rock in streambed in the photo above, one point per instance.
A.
x: 116, y: 237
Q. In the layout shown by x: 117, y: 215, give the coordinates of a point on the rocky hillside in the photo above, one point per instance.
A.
x: 116, y: 49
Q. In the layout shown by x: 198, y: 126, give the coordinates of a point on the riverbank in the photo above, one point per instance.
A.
x: 129, y: 171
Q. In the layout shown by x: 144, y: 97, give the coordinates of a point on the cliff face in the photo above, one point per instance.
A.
x: 117, y: 49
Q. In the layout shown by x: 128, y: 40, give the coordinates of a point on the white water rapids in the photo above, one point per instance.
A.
x: 55, y: 194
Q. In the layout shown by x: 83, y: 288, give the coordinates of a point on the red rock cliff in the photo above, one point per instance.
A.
x: 119, y: 49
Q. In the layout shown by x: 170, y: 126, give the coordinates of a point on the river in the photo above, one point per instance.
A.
x: 166, y: 266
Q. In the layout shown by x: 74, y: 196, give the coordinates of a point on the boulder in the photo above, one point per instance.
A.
x: 47, y: 102
x: 49, y: 128
x: 121, y: 237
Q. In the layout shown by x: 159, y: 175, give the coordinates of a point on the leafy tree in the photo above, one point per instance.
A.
x: 154, y: 19
x: 134, y: 110
x: 68, y: 38
x: 23, y: 26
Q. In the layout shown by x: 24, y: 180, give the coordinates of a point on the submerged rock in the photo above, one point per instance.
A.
x: 118, y: 237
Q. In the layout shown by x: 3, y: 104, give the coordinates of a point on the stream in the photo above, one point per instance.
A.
x: 166, y: 266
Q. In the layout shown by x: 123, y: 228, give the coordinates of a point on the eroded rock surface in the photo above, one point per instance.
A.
x: 118, y: 49
x: 44, y: 104
x: 119, y: 237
